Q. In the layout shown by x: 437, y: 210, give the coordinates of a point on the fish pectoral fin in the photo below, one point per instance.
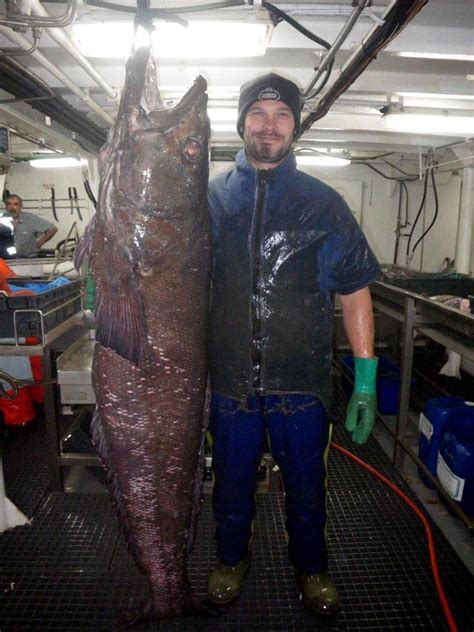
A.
x: 120, y: 318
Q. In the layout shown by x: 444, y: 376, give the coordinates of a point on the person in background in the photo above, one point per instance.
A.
x: 30, y: 232
x: 284, y: 243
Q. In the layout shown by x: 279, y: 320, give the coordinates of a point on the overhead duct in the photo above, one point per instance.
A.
x: 20, y: 40
x: 401, y: 13
x: 21, y: 84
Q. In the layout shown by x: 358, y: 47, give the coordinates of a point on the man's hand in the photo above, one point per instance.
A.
x: 46, y: 237
x: 362, y: 406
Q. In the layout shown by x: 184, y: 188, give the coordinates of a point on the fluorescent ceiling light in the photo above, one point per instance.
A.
x: 322, y: 161
x: 220, y: 115
x: 223, y: 127
x: 436, y: 95
x: 198, y: 39
x: 454, y: 56
x: 56, y: 163
x: 430, y: 123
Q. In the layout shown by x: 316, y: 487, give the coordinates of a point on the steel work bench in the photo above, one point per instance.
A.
x: 448, y: 326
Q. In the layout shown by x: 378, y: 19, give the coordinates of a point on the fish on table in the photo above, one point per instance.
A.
x: 149, y: 248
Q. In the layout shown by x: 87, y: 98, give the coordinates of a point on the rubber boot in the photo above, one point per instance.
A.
x: 319, y: 593
x: 225, y: 582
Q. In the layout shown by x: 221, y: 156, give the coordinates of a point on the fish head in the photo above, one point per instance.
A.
x: 162, y: 153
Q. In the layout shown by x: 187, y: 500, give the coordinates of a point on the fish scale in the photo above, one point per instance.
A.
x: 149, y: 251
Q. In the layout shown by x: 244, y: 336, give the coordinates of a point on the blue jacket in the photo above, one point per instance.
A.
x: 283, y: 244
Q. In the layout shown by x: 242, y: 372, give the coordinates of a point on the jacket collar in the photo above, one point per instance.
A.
x: 284, y: 170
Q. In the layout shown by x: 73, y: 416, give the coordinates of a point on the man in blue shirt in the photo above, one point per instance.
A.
x: 284, y: 243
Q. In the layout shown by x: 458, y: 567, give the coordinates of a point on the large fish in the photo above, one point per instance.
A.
x: 149, y: 250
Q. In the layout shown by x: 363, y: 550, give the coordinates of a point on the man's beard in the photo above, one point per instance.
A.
x: 265, y: 152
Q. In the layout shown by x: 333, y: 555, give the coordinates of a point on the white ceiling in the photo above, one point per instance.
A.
x: 354, y: 122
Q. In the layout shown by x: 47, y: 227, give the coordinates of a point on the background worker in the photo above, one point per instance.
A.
x: 284, y: 243
x: 30, y: 231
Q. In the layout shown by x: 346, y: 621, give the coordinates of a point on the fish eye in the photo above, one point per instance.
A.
x: 192, y: 149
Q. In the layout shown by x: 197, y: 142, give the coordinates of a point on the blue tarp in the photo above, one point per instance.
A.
x: 39, y: 288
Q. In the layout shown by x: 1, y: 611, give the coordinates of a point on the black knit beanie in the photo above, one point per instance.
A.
x: 269, y: 87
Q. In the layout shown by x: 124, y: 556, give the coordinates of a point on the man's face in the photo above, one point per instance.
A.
x: 268, y: 133
x: 13, y: 206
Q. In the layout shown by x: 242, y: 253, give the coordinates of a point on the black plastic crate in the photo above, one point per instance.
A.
x: 434, y: 285
x: 56, y: 306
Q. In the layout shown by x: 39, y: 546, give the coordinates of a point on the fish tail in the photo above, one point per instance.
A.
x: 150, y: 611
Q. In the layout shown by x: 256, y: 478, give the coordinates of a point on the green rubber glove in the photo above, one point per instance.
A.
x: 360, y: 417
x: 90, y: 291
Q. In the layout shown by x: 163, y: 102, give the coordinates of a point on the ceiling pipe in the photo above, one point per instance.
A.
x: 45, y: 135
x: 22, y: 41
x: 463, y: 259
x: 36, y: 32
x: 23, y: 21
x: 399, y: 15
x: 20, y: 82
x: 338, y: 42
x: 66, y: 42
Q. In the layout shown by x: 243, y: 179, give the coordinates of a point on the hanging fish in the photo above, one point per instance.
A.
x: 149, y: 252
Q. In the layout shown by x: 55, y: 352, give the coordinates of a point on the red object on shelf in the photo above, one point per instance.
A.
x: 19, y: 410
x: 36, y: 392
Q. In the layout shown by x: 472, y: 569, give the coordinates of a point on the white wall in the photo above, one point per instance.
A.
x: 33, y: 185
x: 440, y: 243
x: 373, y: 199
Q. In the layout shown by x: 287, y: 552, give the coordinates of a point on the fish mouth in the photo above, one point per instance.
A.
x: 162, y: 116
x: 195, y: 97
x: 143, y: 101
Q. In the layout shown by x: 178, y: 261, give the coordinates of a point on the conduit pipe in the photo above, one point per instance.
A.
x: 66, y: 42
x: 36, y: 32
x: 338, y: 42
x: 27, y: 21
x: 463, y: 260
x: 22, y: 41
x: 400, y: 14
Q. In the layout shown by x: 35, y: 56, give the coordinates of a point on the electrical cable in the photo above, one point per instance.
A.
x: 425, y: 187
x: 406, y: 222
x: 299, y: 27
x: 387, y: 153
x: 435, y: 193
x: 429, y: 534
x: 399, y: 223
x: 381, y: 173
x: 15, y: 384
x: 87, y: 186
x: 317, y: 90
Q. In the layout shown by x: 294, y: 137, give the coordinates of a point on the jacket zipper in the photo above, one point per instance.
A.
x: 256, y: 299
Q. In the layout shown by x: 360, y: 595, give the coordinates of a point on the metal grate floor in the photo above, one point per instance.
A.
x: 69, y: 571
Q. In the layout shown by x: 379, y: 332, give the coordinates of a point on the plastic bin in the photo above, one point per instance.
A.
x: 56, y: 306
x: 432, y: 424
x: 388, y: 384
x: 455, y: 466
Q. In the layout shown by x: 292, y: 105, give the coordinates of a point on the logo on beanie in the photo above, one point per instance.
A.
x: 269, y: 94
